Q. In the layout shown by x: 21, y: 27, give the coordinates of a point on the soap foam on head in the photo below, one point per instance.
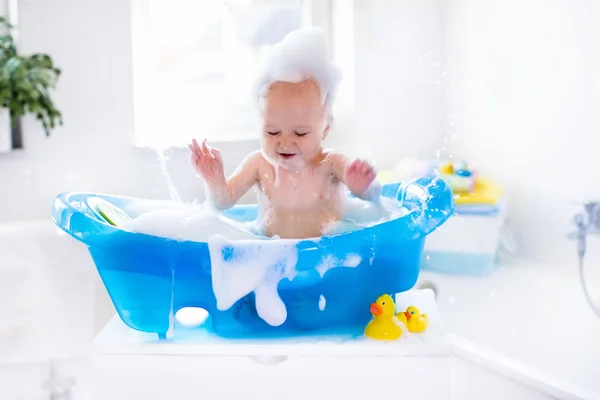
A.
x: 301, y: 55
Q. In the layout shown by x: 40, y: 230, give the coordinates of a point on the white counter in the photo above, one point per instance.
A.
x: 528, y: 321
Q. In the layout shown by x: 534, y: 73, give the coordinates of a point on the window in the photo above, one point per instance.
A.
x: 194, y: 63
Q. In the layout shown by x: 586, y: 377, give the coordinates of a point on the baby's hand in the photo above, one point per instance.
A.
x: 359, y: 175
x: 207, y: 162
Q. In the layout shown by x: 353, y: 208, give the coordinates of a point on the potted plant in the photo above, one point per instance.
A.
x: 25, y: 85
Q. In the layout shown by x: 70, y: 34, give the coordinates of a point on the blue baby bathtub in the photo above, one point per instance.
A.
x: 150, y: 278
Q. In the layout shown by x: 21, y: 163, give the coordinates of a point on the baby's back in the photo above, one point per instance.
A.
x: 298, y: 204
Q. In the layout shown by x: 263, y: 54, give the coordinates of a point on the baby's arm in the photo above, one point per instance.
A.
x: 358, y: 176
x: 223, y: 193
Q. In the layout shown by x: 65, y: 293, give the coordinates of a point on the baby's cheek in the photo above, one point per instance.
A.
x: 313, y: 149
x: 267, y: 144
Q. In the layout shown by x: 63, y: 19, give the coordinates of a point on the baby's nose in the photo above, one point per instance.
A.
x: 286, y: 142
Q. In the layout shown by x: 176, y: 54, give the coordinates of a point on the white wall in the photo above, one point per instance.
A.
x: 526, y: 99
x: 400, y: 97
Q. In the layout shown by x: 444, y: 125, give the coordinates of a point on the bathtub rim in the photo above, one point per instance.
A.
x: 64, y: 210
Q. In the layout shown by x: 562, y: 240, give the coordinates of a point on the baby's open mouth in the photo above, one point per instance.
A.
x: 287, y: 156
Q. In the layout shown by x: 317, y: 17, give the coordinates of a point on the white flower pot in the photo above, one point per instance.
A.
x: 5, y: 131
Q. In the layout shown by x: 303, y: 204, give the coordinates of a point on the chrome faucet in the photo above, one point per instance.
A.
x: 586, y: 222
x: 593, y: 216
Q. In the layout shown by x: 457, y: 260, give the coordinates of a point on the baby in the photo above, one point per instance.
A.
x: 299, y: 184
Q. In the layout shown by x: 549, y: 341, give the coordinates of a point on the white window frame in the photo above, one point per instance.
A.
x: 316, y: 12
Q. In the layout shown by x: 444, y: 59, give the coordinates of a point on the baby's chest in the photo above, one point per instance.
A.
x: 287, y: 191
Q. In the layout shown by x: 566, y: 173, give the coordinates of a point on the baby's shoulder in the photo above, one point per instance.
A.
x: 334, y: 158
x: 260, y: 162
x: 254, y: 159
x: 335, y: 162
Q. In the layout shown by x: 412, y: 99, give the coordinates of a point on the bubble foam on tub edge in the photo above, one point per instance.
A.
x: 248, y: 266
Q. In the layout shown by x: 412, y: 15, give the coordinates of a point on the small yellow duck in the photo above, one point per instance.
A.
x: 383, y: 326
x: 413, y: 319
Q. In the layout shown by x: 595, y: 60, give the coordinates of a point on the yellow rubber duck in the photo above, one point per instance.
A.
x: 383, y: 326
x: 413, y: 319
x: 447, y: 169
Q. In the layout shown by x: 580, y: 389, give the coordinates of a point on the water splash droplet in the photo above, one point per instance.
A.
x: 170, y: 186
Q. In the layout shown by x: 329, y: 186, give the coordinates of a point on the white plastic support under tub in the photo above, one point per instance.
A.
x: 117, y: 338
x: 196, y: 362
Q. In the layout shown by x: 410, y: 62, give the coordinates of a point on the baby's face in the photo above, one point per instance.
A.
x: 293, y: 124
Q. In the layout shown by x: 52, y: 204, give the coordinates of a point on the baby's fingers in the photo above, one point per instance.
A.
x: 205, y: 148
x: 361, y: 169
x: 216, y: 154
x: 367, y: 168
x: 196, y: 146
x: 353, y: 167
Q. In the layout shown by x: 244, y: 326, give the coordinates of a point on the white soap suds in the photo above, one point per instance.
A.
x: 359, y: 214
x: 326, y: 264
x: 189, y: 224
x: 330, y: 262
x: 271, y: 161
x: 252, y: 266
x: 322, y: 302
x: 352, y: 261
x: 301, y: 55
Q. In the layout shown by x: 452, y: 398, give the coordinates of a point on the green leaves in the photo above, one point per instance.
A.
x: 26, y: 82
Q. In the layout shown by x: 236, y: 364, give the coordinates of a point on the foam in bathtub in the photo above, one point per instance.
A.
x: 252, y: 266
x: 243, y: 261
x: 195, y: 224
